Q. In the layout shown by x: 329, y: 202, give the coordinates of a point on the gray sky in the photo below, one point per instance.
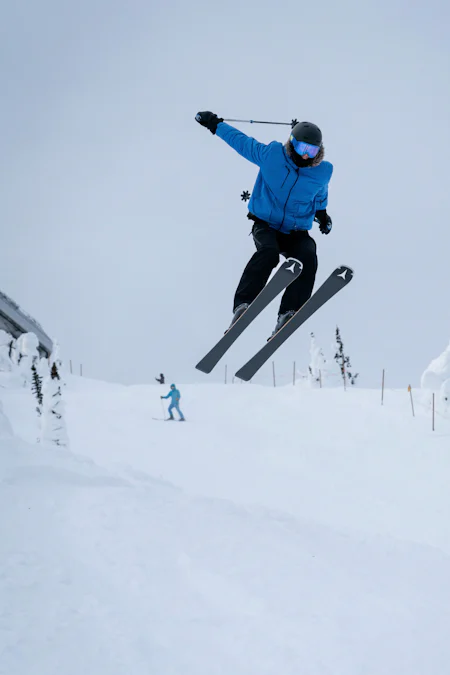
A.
x: 122, y: 227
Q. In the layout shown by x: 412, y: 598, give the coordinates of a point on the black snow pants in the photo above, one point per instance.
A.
x: 269, y: 245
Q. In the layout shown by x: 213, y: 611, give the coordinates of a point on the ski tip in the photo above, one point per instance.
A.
x: 241, y: 375
x: 203, y: 369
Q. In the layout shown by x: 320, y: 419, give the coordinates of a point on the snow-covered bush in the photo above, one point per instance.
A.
x: 317, y: 363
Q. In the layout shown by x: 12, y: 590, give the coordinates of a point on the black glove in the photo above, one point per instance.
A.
x: 324, y: 220
x: 209, y: 120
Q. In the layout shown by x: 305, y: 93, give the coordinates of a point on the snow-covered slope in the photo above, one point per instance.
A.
x: 279, y: 531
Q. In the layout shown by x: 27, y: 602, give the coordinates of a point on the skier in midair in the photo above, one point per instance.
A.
x: 290, y: 193
x: 175, y: 395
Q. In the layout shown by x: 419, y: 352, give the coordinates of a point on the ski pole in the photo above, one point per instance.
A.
x: 291, y: 124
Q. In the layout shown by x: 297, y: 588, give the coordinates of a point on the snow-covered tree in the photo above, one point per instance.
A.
x: 13, y: 354
x: 437, y: 372
x: 6, y: 339
x: 53, y: 419
x: 445, y: 395
x: 436, y: 378
x: 343, y: 361
x: 36, y: 388
x: 317, y: 362
x: 27, y: 355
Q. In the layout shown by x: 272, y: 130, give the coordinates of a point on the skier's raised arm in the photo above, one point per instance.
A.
x: 246, y: 146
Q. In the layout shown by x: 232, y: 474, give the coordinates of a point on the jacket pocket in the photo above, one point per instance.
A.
x: 303, y: 208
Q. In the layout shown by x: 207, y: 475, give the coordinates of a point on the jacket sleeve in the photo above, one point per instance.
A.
x: 246, y: 146
x: 165, y: 396
x: 321, y: 201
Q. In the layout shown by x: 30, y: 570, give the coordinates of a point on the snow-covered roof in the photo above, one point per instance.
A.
x: 15, y: 321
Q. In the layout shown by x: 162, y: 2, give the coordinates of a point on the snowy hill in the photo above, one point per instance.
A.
x: 279, y: 531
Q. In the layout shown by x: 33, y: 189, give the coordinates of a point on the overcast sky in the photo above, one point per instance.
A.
x: 123, y: 231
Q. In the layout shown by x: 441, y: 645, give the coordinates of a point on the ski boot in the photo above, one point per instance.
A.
x: 282, y: 320
x: 238, y: 312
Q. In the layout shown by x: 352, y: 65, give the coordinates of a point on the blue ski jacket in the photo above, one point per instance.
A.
x: 174, y: 394
x: 284, y: 195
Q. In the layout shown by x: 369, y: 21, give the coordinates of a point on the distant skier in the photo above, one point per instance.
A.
x: 291, y: 191
x: 160, y: 379
x: 175, y: 395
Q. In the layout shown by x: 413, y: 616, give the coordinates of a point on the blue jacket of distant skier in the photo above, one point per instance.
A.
x: 284, y: 195
x: 174, y: 394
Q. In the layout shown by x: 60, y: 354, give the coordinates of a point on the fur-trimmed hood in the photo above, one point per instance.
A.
x: 299, y: 161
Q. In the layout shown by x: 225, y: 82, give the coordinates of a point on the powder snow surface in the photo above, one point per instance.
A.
x: 279, y: 531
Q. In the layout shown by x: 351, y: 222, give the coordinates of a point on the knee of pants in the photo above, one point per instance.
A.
x: 311, y: 266
x: 268, y: 256
x: 309, y: 260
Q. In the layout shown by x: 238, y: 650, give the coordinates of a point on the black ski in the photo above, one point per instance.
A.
x: 285, y: 274
x: 335, y: 282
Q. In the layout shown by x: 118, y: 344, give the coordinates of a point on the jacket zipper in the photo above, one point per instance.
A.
x: 287, y: 176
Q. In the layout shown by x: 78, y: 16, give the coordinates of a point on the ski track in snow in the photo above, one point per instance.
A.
x: 276, y: 532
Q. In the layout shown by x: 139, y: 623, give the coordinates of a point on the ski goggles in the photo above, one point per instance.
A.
x: 302, y: 148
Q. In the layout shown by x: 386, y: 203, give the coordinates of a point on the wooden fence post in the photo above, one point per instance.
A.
x: 273, y: 372
x: 412, y: 402
x: 293, y: 375
x: 382, y: 388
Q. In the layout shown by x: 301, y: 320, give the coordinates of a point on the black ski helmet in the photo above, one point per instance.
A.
x: 308, y: 133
